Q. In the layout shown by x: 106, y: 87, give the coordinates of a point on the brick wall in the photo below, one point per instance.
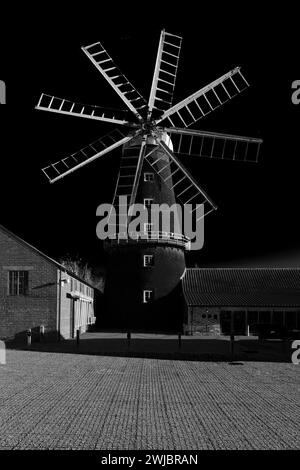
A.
x: 18, y: 313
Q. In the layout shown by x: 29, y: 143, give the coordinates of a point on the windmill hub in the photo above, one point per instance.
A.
x: 150, y: 128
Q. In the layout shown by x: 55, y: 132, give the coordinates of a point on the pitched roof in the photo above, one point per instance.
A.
x: 40, y: 253
x: 242, y: 287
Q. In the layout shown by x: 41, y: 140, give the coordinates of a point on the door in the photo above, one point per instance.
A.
x: 239, y: 322
x: 225, y: 322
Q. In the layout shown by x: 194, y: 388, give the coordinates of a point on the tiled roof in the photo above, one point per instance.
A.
x: 242, y: 286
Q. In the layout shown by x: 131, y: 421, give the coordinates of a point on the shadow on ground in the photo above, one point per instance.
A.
x: 194, y: 348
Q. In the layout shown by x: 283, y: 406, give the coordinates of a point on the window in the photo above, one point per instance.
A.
x: 149, y: 177
x: 148, y: 227
x: 264, y: 316
x: 291, y: 319
x: 278, y: 317
x: 148, y: 295
x: 148, y: 261
x: 148, y: 203
x: 18, y: 282
x: 252, y: 317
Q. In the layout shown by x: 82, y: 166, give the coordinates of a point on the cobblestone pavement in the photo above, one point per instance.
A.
x: 74, y: 401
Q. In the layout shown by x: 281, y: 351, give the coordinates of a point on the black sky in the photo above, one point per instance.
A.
x: 257, y: 219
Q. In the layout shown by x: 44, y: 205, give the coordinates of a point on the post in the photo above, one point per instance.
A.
x: 179, y: 340
x: 246, y: 323
x: 2, y: 353
x: 232, y: 344
x: 77, y: 336
x: 42, y: 333
x: 231, y: 334
x: 128, y: 339
x: 28, y: 337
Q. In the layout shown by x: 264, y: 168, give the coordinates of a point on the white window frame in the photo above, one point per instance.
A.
x: 145, y: 295
x: 145, y: 263
x: 17, y: 273
x: 148, y: 177
x: 146, y: 227
x: 148, y: 201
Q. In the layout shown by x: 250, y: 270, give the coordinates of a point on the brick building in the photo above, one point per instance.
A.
x: 36, y: 291
x: 215, y: 297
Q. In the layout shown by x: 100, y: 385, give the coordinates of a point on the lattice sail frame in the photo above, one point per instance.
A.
x: 144, y: 124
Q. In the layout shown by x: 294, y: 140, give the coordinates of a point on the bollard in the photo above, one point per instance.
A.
x: 28, y: 335
x: 77, y: 336
x: 128, y: 339
x: 42, y: 333
x: 284, y: 344
x: 2, y: 92
x: 179, y: 340
x: 2, y: 353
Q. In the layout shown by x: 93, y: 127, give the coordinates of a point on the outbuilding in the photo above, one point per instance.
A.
x: 38, y: 293
x: 236, y: 300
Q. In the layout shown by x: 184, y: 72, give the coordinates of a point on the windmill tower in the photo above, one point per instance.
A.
x: 143, y: 276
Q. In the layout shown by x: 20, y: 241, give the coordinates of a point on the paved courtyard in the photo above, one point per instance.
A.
x: 55, y: 400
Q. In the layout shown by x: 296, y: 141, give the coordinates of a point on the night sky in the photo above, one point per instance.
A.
x: 257, y: 222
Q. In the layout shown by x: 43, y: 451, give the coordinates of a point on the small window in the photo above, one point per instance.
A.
x: 148, y: 261
x: 203, y: 315
x: 148, y: 203
x: 216, y: 317
x: 209, y: 315
x: 18, y: 283
x: 148, y: 295
x: 148, y: 227
x: 149, y: 177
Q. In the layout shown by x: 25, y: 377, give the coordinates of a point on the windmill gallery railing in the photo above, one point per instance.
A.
x: 123, y: 238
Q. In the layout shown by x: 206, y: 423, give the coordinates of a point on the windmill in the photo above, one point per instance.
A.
x: 144, y: 271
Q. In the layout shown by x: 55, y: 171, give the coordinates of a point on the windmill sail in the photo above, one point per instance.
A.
x: 86, y: 155
x: 165, y: 72
x: 70, y: 108
x: 205, y: 100
x: 148, y: 129
x: 106, y: 66
x: 131, y: 165
x: 214, y: 145
x: 186, y: 189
